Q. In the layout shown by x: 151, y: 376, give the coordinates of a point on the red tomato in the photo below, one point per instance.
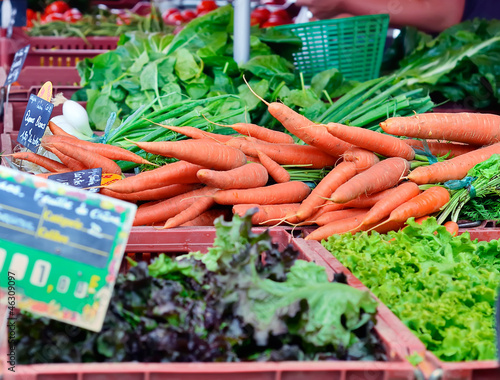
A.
x: 280, y: 14
x: 175, y: 19
x: 199, y: 14
x: 30, y: 14
x: 168, y: 12
x: 52, y: 17
x: 255, y: 21
x: 123, y: 19
x: 72, y: 15
x: 261, y: 13
x: 56, y: 7
x: 206, y: 5
x: 188, y: 14
x: 273, y: 22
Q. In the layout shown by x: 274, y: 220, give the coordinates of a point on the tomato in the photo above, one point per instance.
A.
x: 188, y: 14
x: 261, y: 13
x: 72, y: 15
x: 175, y: 19
x: 255, y: 21
x: 206, y: 6
x: 56, y: 7
x: 123, y: 19
x: 280, y: 14
x: 30, y: 14
x: 52, y: 17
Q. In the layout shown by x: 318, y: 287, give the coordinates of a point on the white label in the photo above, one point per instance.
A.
x: 3, y: 255
x: 63, y: 284
x: 18, y: 265
x: 81, y: 289
x: 40, y: 273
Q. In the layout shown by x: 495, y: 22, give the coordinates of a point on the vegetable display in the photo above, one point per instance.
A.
x: 243, y: 300
x: 442, y: 287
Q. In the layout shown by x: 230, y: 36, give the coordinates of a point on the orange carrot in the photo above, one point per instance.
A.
x: 244, y: 177
x: 287, y: 154
x: 470, y: 128
x: 58, y: 131
x: 263, y: 133
x: 196, y: 208
x: 275, y: 170
x: 70, y: 162
x: 180, y: 172
x: 381, y: 176
x: 267, y: 214
x: 288, y: 192
x: 90, y: 159
x: 159, y: 193
x: 333, y: 216
x: 203, y: 152
x: 110, y: 151
x: 443, y: 148
x: 429, y: 202
x: 454, y: 168
x: 451, y: 227
x: 196, y: 133
x: 362, y: 158
x: 208, y: 217
x: 388, y: 146
x: 336, y: 177
x: 45, y: 162
x: 384, y: 207
x: 148, y: 214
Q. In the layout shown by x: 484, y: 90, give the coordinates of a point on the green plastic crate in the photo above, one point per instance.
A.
x: 353, y: 45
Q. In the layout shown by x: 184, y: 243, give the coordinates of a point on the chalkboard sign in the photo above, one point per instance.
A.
x: 82, y: 179
x: 62, y: 246
x: 34, y: 123
x: 17, y: 65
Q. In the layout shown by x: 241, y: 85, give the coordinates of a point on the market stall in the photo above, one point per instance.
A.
x: 212, y: 189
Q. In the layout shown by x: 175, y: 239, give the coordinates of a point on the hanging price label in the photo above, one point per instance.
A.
x: 62, y: 246
x: 17, y: 65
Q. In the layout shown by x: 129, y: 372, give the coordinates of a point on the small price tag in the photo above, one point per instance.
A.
x: 60, y: 247
x: 46, y: 91
x: 17, y: 65
x: 34, y: 122
x: 82, y: 179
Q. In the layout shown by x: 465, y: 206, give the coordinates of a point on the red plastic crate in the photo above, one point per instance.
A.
x: 184, y: 239
x: 432, y: 367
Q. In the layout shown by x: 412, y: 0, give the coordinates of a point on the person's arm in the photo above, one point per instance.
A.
x: 428, y: 15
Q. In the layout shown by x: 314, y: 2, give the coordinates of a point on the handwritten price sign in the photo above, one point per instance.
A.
x: 34, y: 123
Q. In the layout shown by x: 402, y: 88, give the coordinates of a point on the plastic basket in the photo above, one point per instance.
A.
x: 353, y: 45
x: 182, y: 240
x: 431, y: 367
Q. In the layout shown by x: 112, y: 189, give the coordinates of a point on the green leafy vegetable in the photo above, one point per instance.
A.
x: 442, y: 287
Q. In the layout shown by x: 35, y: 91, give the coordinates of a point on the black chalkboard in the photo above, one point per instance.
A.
x: 34, y: 122
x: 17, y: 65
x: 81, y: 178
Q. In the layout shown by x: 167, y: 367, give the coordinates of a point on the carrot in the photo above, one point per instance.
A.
x: 451, y: 227
x: 159, y: 193
x: 110, y: 151
x: 90, y: 159
x: 208, y: 217
x: 336, y: 177
x: 300, y: 126
x: 287, y: 154
x: 388, y: 146
x: 426, y: 203
x: 385, y: 206
x: 362, y: 158
x: 289, y: 192
x: 158, y: 211
x: 244, y: 177
x: 203, y: 152
x: 333, y: 216
x: 196, y: 133
x: 196, y: 208
x: 58, y: 131
x: 454, y: 168
x: 70, y: 162
x: 263, y: 133
x: 370, y: 200
x: 267, y: 214
x: 45, y: 162
x: 180, y: 172
x: 275, y: 170
x: 381, y: 176
x: 470, y: 128
x: 324, y: 208
x: 443, y: 148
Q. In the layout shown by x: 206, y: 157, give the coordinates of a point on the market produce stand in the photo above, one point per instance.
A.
x: 326, y: 74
